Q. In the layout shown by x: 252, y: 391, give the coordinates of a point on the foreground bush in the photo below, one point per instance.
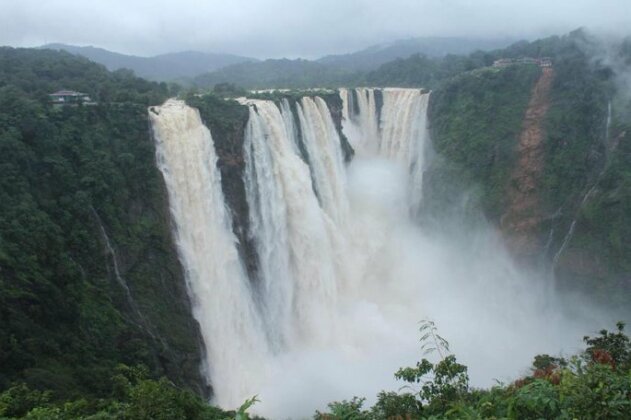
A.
x: 595, y: 384
x: 134, y: 397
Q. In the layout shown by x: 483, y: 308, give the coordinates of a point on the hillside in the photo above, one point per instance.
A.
x: 283, y: 73
x: 435, y: 47
x: 573, y: 206
x: 164, y: 67
x: 424, y: 62
x: 89, y: 276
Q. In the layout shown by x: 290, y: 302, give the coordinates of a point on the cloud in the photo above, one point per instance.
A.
x: 611, y: 52
x: 276, y: 28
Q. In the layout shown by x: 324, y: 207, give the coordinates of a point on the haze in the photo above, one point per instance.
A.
x: 282, y: 28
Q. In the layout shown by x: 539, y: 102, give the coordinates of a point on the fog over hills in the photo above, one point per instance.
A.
x: 372, y: 57
x: 335, y: 70
x: 163, y: 67
x: 216, y: 68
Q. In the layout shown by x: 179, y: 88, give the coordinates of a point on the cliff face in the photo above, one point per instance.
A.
x: 93, y: 280
x: 143, y: 248
x: 335, y: 105
x: 533, y: 149
x: 521, y: 220
x: 475, y: 122
x: 226, y: 120
x: 595, y: 252
x: 89, y: 276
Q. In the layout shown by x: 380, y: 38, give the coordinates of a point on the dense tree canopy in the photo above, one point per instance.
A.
x: 88, y: 274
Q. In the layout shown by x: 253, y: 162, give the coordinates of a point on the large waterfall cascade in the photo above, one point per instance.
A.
x: 344, y: 272
x: 219, y: 289
x: 290, y: 229
x: 398, y: 131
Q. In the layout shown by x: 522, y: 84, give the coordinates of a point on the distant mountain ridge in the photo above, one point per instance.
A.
x: 372, y: 57
x: 163, y: 67
x: 210, y: 68
x: 344, y: 69
x: 298, y: 73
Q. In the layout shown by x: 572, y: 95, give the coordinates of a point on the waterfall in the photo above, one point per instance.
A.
x: 398, y: 132
x: 268, y: 215
x: 290, y: 229
x: 361, y: 129
x: 591, y: 189
x: 323, y: 147
x: 608, y: 123
x: 345, y: 272
x: 219, y: 289
x: 143, y: 323
x: 117, y: 273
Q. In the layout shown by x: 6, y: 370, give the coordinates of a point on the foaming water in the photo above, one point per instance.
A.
x: 290, y: 230
x: 219, y: 289
x: 345, y: 272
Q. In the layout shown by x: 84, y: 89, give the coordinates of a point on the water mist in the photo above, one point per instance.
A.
x: 346, y: 272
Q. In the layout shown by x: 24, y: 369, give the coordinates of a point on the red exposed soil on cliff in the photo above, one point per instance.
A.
x: 523, y: 212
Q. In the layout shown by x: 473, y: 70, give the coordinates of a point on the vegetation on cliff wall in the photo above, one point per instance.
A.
x: 475, y: 120
x: 89, y: 277
x: 597, y: 254
x: 584, y: 186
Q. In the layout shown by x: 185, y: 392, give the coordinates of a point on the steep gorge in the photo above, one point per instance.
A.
x: 312, y: 253
x: 344, y: 260
x: 394, y: 229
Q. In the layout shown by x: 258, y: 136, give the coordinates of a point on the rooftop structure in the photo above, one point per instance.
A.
x: 541, y: 62
x: 64, y: 97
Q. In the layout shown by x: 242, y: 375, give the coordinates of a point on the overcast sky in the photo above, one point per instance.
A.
x: 291, y: 28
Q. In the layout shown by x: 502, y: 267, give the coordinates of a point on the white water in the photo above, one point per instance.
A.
x: 290, y: 230
x: 323, y: 147
x: 398, y: 134
x: 361, y: 129
x: 344, y: 274
x: 219, y: 288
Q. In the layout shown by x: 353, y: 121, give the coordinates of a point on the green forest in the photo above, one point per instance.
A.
x: 89, y: 277
x: 583, y: 179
